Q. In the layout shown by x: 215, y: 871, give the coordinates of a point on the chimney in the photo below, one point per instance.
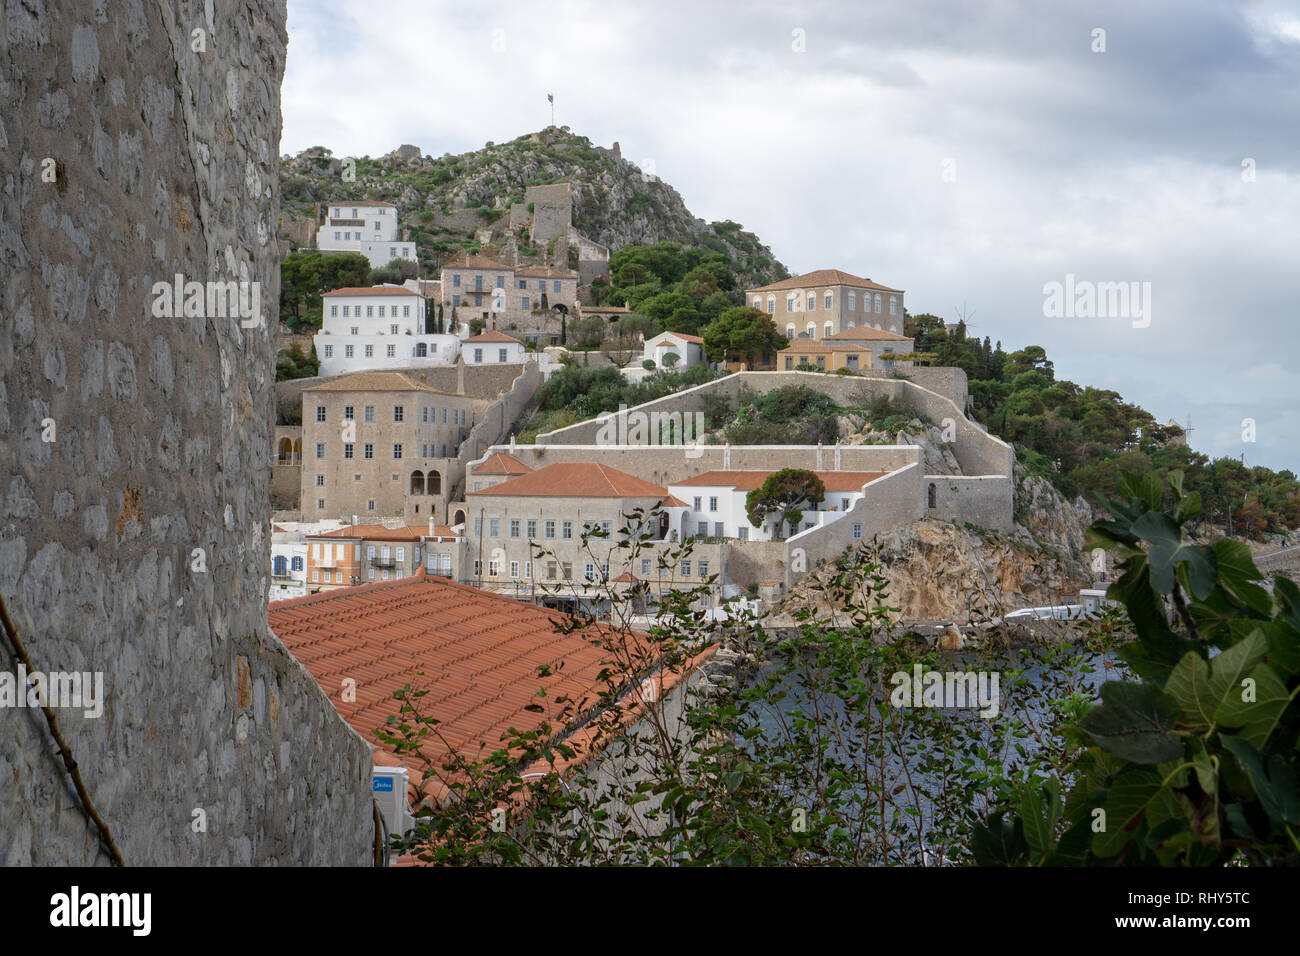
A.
x: 431, y: 531
x: 354, y: 520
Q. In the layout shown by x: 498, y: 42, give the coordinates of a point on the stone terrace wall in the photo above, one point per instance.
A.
x: 164, y: 161
x: 945, y: 380
x: 978, y: 452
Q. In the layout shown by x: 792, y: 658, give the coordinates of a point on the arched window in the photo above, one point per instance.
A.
x: 433, y: 484
x: 852, y: 324
x: 789, y: 302
x: 812, y: 301
x: 853, y: 301
x: 893, y: 305
x: 878, y: 302
x: 417, y: 482
x: 830, y: 329
x: 460, y: 517
x: 758, y: 302
x: 812, y: 329
x: 934, y: 493
x: 789, y: 331
x: 771, y: 305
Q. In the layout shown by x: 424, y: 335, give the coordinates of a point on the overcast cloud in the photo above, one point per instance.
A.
x: 1123, y: 165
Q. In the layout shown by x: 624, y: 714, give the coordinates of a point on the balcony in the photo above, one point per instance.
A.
x: 288, y: 460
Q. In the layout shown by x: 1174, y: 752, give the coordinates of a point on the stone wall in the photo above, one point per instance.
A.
x: 134, y: 539
x: 983, y: 500
x: 948, y: 381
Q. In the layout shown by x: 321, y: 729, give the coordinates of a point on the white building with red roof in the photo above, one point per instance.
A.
x: 379, y: 327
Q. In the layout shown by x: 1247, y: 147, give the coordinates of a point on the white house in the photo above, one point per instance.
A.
x: 368, y: 228
x: 492, y: 348
x: 380, y: 327
x: 689, y: 350
x: 715, y: 503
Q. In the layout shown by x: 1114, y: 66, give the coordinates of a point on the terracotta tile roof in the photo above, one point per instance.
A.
x: 680, y: 336
x: 476, y: 262
x: 577, y: 479
x: 501, y: 464
x: 359, y: 203
x: 749, y: 480
x: 375, y: 382
x: 823, y: 277
x: 813, y: 345
x: 625, y: 578
x: 377, y: 532
x: 479, y: 655
x: 672, y: 501
x: 372, y: 290
x: 865, y: 333
x: 493, y: 336
x: 547, y: 271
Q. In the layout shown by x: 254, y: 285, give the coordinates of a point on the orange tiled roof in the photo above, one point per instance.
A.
x: 815, y: 345
x: 377, y: 532
x: 865, y: 333
x: 375, y: 382
x: 823, y: 277
x: 683, y: 337
x: 493, y: 335
x: 479, y: 654
x: 672, y: 501
x: 359, y: 203
x: 372, y: 290
x: 476, y: 262
x: 749, y: 480
x: 501, y: 464
x: 577, y: 479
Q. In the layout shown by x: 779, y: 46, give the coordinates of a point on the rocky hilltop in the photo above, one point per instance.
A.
x: 455, y: 203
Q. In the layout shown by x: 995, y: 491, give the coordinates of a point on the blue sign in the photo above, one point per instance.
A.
x: 382, y: 784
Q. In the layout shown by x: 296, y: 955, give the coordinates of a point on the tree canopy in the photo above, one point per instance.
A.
x: 784, y: 493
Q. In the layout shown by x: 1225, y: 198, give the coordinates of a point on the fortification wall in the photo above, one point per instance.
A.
x: 136, y: 449
x: 984, y: 500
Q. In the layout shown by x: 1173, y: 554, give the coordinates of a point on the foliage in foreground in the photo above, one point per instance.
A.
x: 1196, y: 763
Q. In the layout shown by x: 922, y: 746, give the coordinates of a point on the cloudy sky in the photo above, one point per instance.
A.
x: 969, y: 153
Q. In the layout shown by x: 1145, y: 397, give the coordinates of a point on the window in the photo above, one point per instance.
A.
x: 345, y: 312
x: 494, y: 567
x: 478, y: 355
x: 550, y: 530
x: 347, y: 351
x: 555, y: 285
x: 320, y: 481
x: 567, y: 568
x: 645, y: 566
x: 532, y: 529
x: 370, y: 351
x: 370, y: 505
x: 758, y: 302
x: 381, y: 311
x: 296, y: 563
x: 893, y: 305
x: 514, y: 527
x: 347, y: 449
x: 397, y: 450
x: 329, y: 351
x: 478, y: 527
x: 392, y: 329
x: 789, y: 363
x: 713, y: 504
x: 315, y: 575
x: 494, y: 527
x: 320, y: 504
x: 370, y: 413
x: 718, y: 529
x: 704, y: 569
x: 455, y: 300
x: 550, y: 570
x: 528, y: 569
x: 589, y: 571
x: 686, y: 569
x: 857, y: 531
x: 789, y: 332
x: 320, y: 413
x: 877, y: 302
x: 566, y: 530
x: 829, y: 329
x: 853, y: 301
x: 514, y: 569
x: 523, y: 283
x: 320, y: 449
x: 697, y: 504
x: 771, y: 305
x: 524, y: 302
x: 478, y: 567
x: 399, y: 412
x: 607, y: 527
x: 368, y: 451
x: 444, y: 416
x: 355, y: 329
x: 501, y: 355
x: 812, y: 301
x: 812, y: 329
x: 370, y: 311
x: 391, y: 351
x: 742, y: 533
x: 844, y: 504
x: 478, y: 283
x: 455, y: 280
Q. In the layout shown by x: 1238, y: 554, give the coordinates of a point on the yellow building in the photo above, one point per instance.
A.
x: 831, y: 356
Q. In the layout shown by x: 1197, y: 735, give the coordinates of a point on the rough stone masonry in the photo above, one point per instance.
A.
x: 139, y: 143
